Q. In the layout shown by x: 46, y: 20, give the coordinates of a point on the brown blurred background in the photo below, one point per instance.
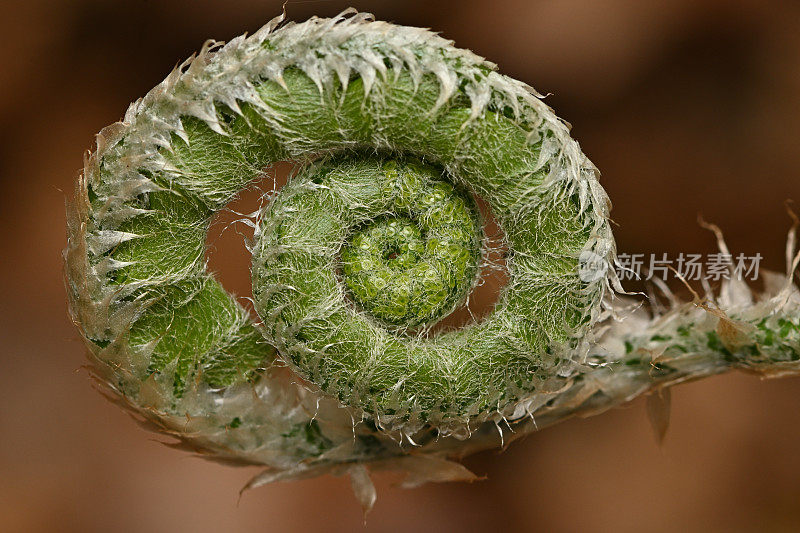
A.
x: 687, y: 106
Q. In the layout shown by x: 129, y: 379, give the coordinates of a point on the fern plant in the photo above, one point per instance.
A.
x: 376, y: 238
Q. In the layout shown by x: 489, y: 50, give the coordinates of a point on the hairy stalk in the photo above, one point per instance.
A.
x: 374, y: 240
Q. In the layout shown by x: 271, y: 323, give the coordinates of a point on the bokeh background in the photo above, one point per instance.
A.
x: 687, y: 106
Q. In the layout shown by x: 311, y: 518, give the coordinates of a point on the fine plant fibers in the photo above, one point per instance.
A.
x: 376, y: 238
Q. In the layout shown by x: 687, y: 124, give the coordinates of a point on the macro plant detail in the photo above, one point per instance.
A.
x: 397, y: 135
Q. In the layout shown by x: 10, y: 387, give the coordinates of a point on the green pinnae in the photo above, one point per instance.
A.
x: 410, y: 267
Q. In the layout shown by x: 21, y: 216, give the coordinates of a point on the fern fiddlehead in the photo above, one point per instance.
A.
x: 374, y: 240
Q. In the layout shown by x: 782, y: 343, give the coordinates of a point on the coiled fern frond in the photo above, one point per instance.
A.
x: 378, y: 236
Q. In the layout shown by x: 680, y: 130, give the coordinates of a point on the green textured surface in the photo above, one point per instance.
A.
x: 410, y: 265
x: 347, y: 353
x: 344, y: 251
x: 383, y: 240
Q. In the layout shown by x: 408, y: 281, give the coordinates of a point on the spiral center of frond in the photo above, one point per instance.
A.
x: 411, y: 265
